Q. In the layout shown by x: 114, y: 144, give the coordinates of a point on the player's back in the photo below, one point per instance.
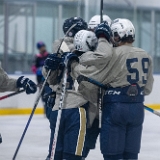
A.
x: 130, y: 65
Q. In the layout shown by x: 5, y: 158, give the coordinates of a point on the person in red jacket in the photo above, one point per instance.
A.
x: 37, y: 69
x: 39, y: 61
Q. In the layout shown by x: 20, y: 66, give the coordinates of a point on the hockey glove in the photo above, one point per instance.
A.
x: 52, y: 62
x: 103, y: 30
x: 51, y: 100
x: 27, y: 84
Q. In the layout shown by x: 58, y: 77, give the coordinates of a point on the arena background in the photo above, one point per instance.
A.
x: 24, y: 22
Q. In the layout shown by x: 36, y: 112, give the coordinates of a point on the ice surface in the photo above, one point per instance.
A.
x: 35, y: 144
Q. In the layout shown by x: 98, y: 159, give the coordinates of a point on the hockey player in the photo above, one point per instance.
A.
x: 86, y: 60
x: 86, y: 41
x: 128, y: 78
x: 71, y: 136
x: 10, y: 84
x: 94, y: 129
x: 96, y: 20
x: 82, y: 41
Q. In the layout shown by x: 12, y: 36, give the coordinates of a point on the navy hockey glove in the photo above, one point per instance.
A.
x: 51, y: 100
x: 103, y: 30
x: 52, y: 62
x: 27, y: 84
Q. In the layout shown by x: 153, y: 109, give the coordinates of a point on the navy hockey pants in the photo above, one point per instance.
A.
x: 71, y: 136
x: 121, y: 130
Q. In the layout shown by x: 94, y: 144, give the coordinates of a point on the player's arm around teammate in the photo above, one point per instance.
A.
x: 93, y: 64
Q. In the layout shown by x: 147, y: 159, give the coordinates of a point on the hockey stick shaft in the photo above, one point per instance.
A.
x: 100, y: 89
x: 100, y: 105
x: 31, y: 115
x: 12, y: 94
x: 101, y: 11
x: 84, y: 78
x: 152, y: 111
x: 98, y: 84
x: 61, y: 103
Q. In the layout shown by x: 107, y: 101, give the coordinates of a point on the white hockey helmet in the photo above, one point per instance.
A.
x: 85, y: 41
x: 123, y: 27
x: 96, y: 20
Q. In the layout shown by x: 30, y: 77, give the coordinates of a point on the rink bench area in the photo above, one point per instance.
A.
x: 23, y: 104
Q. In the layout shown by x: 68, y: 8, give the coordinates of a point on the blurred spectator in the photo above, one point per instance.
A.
x: 39, y: 61
x: 37, y: 68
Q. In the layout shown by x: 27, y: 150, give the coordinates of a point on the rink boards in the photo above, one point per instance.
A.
x: 22, y: 103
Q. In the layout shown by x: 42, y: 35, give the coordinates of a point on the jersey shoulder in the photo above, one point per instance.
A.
x: 128, y: 49
x: 141, y: 52
x: 68, y: 41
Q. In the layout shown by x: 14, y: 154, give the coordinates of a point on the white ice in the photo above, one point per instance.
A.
x: 35, y: 144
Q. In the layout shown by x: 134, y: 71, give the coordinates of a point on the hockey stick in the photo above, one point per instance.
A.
x: 101, y: 11
x: 152, y: 111
x: 100, y: 89
x: 61, y: 103
x: 37, y: 100
x: 12, y: 94
x: 31, y: 115
x: 98, y: 84
x: 84, y: 78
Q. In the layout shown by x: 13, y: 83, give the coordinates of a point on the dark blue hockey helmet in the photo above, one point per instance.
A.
x: 40, y: 44
x: 81, y: 25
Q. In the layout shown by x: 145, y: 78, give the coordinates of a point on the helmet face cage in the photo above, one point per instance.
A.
x: 122, y: 28
x: 81, y: 24
x: 85, y: 41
